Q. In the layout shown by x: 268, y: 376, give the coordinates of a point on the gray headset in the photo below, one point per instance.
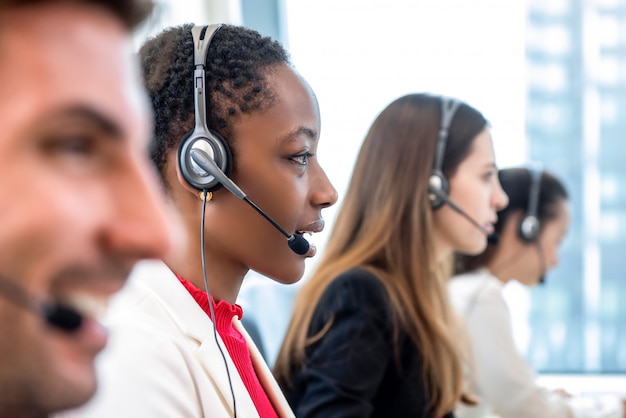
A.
x: 202, y: 137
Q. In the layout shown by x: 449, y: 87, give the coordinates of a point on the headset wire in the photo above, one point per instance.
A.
x: 208, y: 295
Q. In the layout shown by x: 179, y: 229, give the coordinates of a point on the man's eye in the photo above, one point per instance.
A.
x: 76, y: 153
x: 75, y: 145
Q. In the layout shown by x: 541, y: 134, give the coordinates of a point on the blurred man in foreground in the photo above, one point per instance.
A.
x: 79, y: 200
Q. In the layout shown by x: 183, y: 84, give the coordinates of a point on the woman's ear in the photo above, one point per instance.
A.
x: 510, y: 229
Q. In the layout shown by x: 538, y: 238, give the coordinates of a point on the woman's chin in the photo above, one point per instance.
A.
x: 286, y: 274
x: 474, y: 248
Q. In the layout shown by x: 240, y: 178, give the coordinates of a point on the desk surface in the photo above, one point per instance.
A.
x: 586, y: 384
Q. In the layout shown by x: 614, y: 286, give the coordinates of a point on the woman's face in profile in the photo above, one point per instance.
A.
x: 476, y: 189
x: 276, y: 164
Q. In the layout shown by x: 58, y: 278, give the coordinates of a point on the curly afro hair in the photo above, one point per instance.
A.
x: 238, y: 62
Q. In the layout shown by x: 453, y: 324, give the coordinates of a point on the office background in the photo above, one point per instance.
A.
x: 551, y: 79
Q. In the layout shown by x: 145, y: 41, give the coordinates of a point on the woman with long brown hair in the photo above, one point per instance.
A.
x: 372, y: 333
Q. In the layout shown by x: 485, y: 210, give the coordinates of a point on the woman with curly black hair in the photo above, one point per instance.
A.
x: 171, y: 361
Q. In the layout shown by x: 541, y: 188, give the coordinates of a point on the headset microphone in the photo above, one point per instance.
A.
x: 542, y: 262
x: 491, y: 238
x: 62, y: 317
x: 296, y: 242
x: 55, y: 314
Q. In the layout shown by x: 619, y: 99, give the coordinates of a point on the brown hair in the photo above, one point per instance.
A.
x: 130, y: 12
x: 385, y: 226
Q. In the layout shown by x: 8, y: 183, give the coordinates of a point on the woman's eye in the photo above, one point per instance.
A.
x: 301, y: 159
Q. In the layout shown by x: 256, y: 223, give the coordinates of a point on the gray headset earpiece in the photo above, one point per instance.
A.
x: 196, y: 176
x: 438, y: 182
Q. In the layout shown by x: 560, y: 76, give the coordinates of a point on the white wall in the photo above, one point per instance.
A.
x: 176, y: 12
x: 359, y: 55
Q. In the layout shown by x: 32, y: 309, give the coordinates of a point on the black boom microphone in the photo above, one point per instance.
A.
x: 55, y: 314
x: 296, y: 242
x: 491, y: 238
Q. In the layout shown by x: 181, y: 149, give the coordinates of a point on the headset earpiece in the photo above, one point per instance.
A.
x: 529, y: 226
x: 438, y: 180
x: 209, y: 141
x: 216, y: 147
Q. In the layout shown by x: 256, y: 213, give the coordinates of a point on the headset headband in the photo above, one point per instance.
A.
x: 202, y: 36
x: 449, y: 107
x: 535, y: 169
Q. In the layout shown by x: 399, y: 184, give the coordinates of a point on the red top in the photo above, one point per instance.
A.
x: 236, y: 346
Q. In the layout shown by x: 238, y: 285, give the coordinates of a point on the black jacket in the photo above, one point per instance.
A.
x: 352, y: 372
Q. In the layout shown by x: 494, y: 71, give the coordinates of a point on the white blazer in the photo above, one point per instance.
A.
x: 162, y: 360
x: 502, y: 378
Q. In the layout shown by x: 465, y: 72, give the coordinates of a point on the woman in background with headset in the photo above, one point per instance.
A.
x: 372, y: 333
x: 530, y: 230
x: 258, y: 123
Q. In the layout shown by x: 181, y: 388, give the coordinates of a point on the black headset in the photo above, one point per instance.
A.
x: 529, y: 226
x: 438, y: 180
x: 203, y: 138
